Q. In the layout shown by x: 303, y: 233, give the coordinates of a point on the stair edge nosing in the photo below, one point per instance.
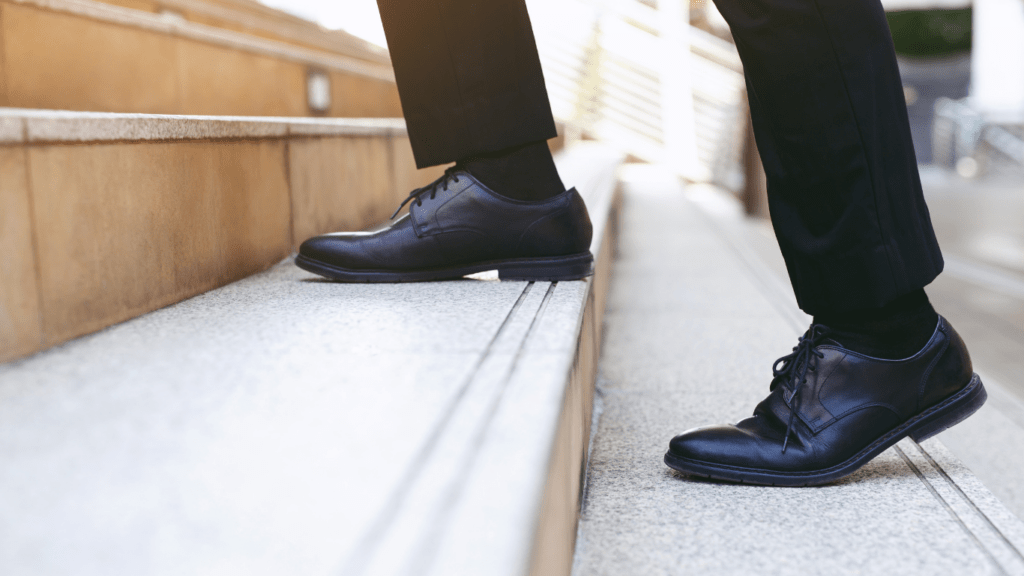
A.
x: 32, y: 126
x: 521, y: 553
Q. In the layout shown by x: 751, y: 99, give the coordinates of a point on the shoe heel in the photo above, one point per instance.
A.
x: 953, y: 414
x: 554, y: 269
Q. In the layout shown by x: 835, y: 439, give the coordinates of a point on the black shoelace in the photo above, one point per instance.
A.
x: 417, y: 194
x: 794, y: 370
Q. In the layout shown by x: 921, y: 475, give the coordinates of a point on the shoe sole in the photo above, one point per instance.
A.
x: 550, y: 269
x: 942, y: 416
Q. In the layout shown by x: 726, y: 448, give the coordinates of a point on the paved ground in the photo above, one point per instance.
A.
x: 693, y: 325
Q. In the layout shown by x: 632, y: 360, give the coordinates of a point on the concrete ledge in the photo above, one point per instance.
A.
x: 345, y: 126
x: 44, y: 126
x: 120, y: 214
x: 12, y: 129
x: 283, y: 424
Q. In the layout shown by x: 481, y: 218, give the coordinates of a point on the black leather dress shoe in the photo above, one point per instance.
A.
x: 831, y: 410
x: 457, y: 226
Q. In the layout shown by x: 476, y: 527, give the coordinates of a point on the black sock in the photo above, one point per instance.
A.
x: 897, y: 330
x: 524, y: 172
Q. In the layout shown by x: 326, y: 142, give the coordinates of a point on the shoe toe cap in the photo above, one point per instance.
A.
x: 707, y: 443
x: 732, y: 445
x: 338, y: 249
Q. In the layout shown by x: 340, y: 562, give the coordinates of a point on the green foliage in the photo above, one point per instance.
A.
x: 930, y: 32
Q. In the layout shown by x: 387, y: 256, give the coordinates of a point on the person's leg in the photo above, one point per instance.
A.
x: 472, y: 93
x: 878, y: 364
x: 831, y: 126
x: 843, y: 187
x: 468, y: 75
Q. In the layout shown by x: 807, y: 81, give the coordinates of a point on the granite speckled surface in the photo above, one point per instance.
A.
x: 261, y: 426
x: 691, y: 334
x: 36, y: 126
x: 344, y: 126
x: 287, y: 425
x: 12, y: 129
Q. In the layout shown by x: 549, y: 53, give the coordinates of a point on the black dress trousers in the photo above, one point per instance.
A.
x: 831, y: 126
x: 827, y: 106
x: 468, y: 76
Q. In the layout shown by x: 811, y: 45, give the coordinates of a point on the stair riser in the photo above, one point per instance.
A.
x: 97, y: 233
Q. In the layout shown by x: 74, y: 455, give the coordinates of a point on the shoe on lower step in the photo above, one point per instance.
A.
x: 831, y: 410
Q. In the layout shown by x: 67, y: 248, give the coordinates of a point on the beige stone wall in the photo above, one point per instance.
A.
x: 261, y: 21
x: 320, y: 167
x: 64, y: 62
x: 382, y: 170
x: 363, y: 97
x: 96, y: 232
x: 126, y: 228
x: 3, y: 67
x: 20, y: 327
x: 70, y: 61
x: 220, y: 81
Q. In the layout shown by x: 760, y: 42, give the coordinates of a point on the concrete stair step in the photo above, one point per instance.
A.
x: 287, y: 425
x: 697, y: 349
x: 107, y: 216
x: 70, y: 55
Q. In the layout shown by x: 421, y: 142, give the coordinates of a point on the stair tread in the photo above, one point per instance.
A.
x: 285, y: 424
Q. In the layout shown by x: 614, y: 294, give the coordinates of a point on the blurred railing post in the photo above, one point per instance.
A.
x: 676, y: 91
x: 997, y: 59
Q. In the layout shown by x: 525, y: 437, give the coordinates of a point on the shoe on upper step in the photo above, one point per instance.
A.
x: 457, y: 226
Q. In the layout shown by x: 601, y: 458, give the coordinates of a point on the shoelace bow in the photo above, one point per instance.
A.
x: 794, y: 370
x: 417, y: 194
